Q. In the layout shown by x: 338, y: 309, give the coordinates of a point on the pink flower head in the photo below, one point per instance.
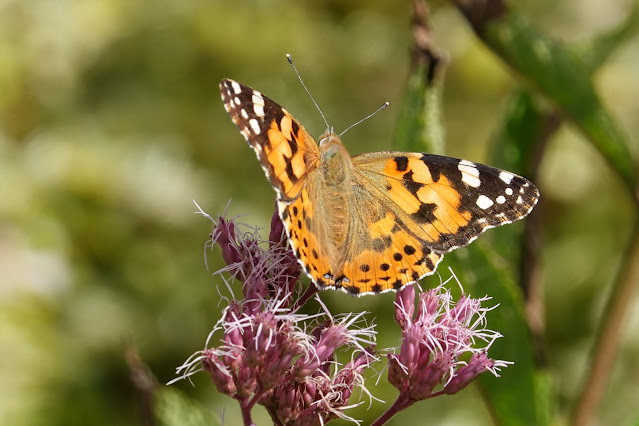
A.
x: 263, y: 272
x: 436, y: 337
x: 320, y: 397
x: 266, y: 351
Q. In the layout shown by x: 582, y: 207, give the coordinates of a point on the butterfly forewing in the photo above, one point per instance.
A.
x: 284, y: 148
x: 447, y: 202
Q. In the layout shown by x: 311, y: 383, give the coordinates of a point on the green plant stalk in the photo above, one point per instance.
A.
x: 419, y: 127
x: 607, y: 340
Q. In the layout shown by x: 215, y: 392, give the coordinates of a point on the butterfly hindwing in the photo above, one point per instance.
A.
x: 306, y: 232
x: 384, y: 253
x: 286, y: 151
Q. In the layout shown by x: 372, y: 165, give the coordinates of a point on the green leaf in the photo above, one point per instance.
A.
x: 563, y: 78
x: 596, y: 51
x: 512, y: 398
x: 526, y: 123
x: 516, y: 142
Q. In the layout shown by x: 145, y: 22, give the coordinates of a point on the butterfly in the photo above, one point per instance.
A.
x: 377, y: 221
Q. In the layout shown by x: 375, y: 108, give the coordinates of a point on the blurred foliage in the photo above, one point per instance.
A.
x: 111, y: 124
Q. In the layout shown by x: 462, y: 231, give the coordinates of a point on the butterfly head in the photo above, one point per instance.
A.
x: 328, y: 136
x: 336, y: 161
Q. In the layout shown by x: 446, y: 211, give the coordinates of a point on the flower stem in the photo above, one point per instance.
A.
x: 310, y: 292
x: 246, y: 412
x: 399, y: 404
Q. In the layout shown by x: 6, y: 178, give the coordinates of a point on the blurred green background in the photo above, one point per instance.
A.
x: 111, y: 124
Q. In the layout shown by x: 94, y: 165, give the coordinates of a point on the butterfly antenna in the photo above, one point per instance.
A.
x: 365, y: 118
x: 290, y: 61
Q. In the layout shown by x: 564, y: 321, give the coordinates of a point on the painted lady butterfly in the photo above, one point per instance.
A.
x: 377, y: 221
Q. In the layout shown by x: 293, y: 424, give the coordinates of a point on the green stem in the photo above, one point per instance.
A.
x: 611, y: 326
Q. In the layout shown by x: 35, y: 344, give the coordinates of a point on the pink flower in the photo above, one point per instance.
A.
x: 267, y: 352
x: 436, y: 338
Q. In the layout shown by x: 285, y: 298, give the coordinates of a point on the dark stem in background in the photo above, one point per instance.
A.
x: 144, y: 382
x: 424, y: 50
x: 530, y: 268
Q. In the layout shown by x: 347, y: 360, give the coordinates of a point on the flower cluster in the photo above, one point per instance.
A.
x: 437, y: 334
x: 263, y: 350
x: 269, y: 353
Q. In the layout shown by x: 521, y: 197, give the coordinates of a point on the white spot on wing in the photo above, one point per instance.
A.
x: 470, y: 174
x: 244, y: 114
x: 236, y: 87
x: 237, y: 100
x: 506, y: 177
x: 501, y: 199
x: 509, y: 191
x: 257, y: 98
x: 255, y: 126
x: 484, y: 202
x: 471, y: 180
x: 520, y: 200
x: 259, y: 110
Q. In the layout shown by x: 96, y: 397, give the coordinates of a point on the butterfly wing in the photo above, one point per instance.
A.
x: 307, y: 230
x: 286, y: 151
x: 409, y: 209
x: 444, y: 201
x: 385, y: 253
x: 289, y: 155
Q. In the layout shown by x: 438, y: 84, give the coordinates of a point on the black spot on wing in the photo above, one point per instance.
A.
x: 295, y: 128
x: 382, y: 243
x: 429, y: 263
x: 401, y: 163
x: 425, y: 213
x: 410, y: 184
x: 409, y: 250
x: 289, y: 169
x: 352, y: 289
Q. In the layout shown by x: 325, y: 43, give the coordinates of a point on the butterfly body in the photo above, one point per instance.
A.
x: 377, y: 221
